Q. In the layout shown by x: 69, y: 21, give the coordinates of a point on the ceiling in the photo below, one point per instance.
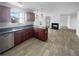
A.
x: 53, y: 7
x: 49, y: 7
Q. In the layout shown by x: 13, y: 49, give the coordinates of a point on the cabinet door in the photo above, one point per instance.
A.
x: 4, y: 14
x: 30, y: 16
x: 17, y: 37
x: 26, y: 34
x: 23, y: 36
x: 46, y: 34
x: 30, y: 32
x: 36, y: 32
x: 41, y: 34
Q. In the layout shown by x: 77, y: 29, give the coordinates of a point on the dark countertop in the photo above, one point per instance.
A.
x: 13, y: 29
x: 13, y: 25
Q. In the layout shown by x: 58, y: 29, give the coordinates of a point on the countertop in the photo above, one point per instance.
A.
x: 12, y: 25
x: 9, y: 27
x: 41, y: 27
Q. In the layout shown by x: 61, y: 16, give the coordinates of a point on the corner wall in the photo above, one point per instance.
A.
x: 77, y: 22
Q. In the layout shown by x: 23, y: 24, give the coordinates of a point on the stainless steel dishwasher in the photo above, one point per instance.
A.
x: 6, y: 41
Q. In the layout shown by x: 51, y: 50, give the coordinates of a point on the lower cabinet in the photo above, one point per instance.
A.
x: 10, y: 40
x: 41, y: 34
x: 17, y: 37
x: 28, y: 33
x: 22, y: 35
x: 36, y: 32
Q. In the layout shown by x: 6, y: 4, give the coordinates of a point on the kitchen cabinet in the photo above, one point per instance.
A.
x: 22, y: 35
x: 17, y: 37
x: 28, y: 33
x: 4, y: 14
x: 25, y: 34
x: 30, y: 16
x: 12, y: 39
x: 41, y: 34
x: 36, y: 32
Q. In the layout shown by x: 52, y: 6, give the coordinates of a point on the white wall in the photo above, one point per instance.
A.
x: 77, y: 28
x: 41, y: 20
x: 73, y: 20
x: 54, y: 19
x: 68, y: 20
x: 63, y: 21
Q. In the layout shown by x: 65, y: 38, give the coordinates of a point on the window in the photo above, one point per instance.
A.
x: 16, y: 16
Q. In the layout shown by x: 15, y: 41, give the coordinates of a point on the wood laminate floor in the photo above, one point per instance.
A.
x: 60, y: 43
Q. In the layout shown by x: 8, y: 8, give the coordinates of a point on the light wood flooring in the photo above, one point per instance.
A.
x: 60, y: 43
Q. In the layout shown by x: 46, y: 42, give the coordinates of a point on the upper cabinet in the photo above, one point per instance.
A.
x: 15, y: 15
x: 30, y: 16
x: 4, y: 14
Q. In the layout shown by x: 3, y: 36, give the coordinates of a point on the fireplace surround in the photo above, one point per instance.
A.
x: 55, y: 26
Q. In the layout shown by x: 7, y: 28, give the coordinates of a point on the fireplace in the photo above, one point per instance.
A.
x: 55, y: 26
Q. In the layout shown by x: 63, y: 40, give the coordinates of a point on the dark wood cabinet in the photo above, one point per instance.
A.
x: 29, y: 33
x: 30, y: 16
x: 41, y: 34
x: 22, y: 35
x: 25, y: 34
x: 18, y: 37
x: 36, y: 32
x: 4, y: 14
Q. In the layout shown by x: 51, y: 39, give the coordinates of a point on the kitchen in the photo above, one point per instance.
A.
x: 15, y: 29
x: 36, y: 29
